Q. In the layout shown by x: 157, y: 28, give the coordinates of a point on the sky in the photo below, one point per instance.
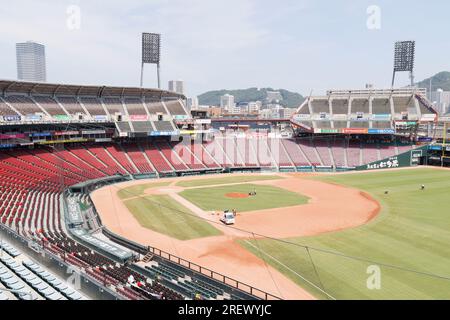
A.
x: 307, y: 46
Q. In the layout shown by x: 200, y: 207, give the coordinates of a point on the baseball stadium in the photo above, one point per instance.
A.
x: 126, y: 193
x: 144, y: 200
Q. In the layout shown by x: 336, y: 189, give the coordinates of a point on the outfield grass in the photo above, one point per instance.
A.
x: 267, y: 197
x: 412, y: 232
x: 138, y: 190
x: 165, y: 215
x: 226, y: 180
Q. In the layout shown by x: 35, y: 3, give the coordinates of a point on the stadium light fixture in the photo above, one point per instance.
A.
x: 404, y: 56
x: 151, y: 53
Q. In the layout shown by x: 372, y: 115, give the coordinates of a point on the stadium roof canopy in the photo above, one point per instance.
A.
x: 8, y: 87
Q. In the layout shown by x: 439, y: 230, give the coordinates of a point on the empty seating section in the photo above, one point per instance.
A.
x: 370, y: 153
x: 156, y: 158
x: 117, y: 153
x: 135, y: 107
x: 171, y: 156
x: 339, y: 124
x: 404, y: 104
x: 279, y: 153
x: 183, y: 151
x: 71, y: 105
x: 111, y: 166
x: 387, y: 150
x: 423, y: 107
x: 338, y: 151
x: 295, y: 152
x: 218, y: 150
x: 262, y: 151
x: 320, y: 106
x: 142, y: 126
x: 360, y: 106
x: 309, y: 151
x: 155, y: 107
x: 201, y: 153
x: 93, y: 106
x: 304, y: 109
x: 23, y: 104
x: 354, y: 153
x: 136, y: 155
x: 114, y: 105
x: 381, y: 106
x: 175, y: 107
x: 339, y: 106
x: 50, y: 105
x: 381, y: 124
x: 163, y: 126
x: 5, y: 110
x: 247, y: 153
x: 324, y: 152
x: 323, y: 124
x: 359, y: 124
x: 88, y: 157
x: 123, y: 126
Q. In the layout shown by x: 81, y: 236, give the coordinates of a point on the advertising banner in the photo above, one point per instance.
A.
x: 163, y: 133
x: 381, y: 116
x: 355, y: 130
x: 12, y: 118
x: 138, y: 117
x: 101, y: 118
x: 65, y: 133
x: 381, y: 131
x: 93, y: 132
x: 33, y: 117
x: 41, y: 134
x: 62, y: 117
x: 13, y: 136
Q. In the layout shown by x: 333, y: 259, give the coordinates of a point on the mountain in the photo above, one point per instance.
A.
x: 440, y: 80
x: 290, y: 99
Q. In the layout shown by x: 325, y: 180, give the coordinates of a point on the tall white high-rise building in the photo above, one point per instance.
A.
x: 227, y: 102
x: 441, y: 100
x: 31, y: 61
x: 176, y: 86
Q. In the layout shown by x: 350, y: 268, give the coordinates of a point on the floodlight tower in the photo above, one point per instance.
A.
x: 151, y: 53
x: 404, y: 59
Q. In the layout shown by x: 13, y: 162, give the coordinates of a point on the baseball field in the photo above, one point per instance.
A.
x: 372, y: 235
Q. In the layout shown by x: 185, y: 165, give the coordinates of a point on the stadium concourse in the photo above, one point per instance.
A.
x: 60, y: 142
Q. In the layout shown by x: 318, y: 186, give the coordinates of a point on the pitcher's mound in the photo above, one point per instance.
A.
x: 237, y: 195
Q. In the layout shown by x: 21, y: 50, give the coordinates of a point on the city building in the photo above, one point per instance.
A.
x: 31, y: 61
x: 176, y: 86
x: 192, y: 103
x: 254, y: 106
x: 227, y: 102
x: 441, y: 101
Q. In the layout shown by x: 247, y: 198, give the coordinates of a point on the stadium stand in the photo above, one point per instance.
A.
x: 23, y: 104
x: 6, y: 110
x: 50, y: 105
x: 71, y: 104
x: 135, y: 107
x: 155, y: 107
x: 93, y: 105
x: 175, y: 107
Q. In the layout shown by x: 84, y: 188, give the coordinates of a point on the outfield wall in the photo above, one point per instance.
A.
x: 407, y: 159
